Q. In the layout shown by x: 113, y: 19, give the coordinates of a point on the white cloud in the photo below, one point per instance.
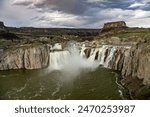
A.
x: 141, y: 14
x: 16, y: 15
x: 137, y: 4
x: 56, y: 19
x: 131, y: 17
x: 93, y: 1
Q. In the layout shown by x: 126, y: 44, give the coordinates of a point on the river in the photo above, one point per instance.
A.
x: 38, y: 85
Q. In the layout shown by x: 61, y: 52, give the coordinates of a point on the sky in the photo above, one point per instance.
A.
x: 74, y: 13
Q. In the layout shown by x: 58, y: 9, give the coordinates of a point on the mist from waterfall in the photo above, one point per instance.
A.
x: 72, y: 61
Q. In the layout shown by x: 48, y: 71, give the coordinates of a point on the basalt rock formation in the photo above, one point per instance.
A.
x: 114, y: 25
x: 137, y: 63
x: 25, y: 58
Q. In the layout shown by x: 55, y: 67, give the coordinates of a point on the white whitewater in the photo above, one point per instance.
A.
x: 71, y: 61
x: 58, y: 59
x: 110, y: 57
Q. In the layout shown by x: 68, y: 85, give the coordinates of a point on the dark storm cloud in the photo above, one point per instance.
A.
x: 67, y: 6
x: 79, y: 7
x: 25, y: 3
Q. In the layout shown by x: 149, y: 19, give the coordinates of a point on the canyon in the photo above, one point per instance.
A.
x: 115, y: 46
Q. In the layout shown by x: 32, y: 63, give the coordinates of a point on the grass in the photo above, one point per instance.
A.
x: 143, y: 35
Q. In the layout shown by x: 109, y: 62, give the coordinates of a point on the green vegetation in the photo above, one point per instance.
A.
x: 28, y: 35
x: 137, y: 35
x: 143, y: 35
x: 10, y: 37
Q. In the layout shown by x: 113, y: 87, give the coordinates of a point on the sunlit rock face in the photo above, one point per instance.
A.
x: 25, y: 58
x: 137, y: 63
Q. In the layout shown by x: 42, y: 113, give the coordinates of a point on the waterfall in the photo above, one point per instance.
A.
x: 110, y: 57
x: 58, y: 59
x: 75, y: 58
x: 72, y: 59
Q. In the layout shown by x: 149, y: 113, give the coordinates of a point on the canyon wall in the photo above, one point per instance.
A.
x: 132, y: 61
x: 137, y: 63
x: 25, y: 58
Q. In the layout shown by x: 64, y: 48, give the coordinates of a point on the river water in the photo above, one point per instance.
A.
x: 38, y: 84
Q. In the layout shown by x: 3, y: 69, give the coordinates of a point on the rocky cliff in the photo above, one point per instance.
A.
x: 119, y: 24
x: 137, y: 63
x: 25, y: 58
x: 2, y: 25
x: 113, y: 25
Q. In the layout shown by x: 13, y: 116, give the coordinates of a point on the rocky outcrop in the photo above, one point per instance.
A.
x: 137, y: 63
x: 113, y: 25
x: 2, y: 25
x: 25, y: 58
x: 119, y: 24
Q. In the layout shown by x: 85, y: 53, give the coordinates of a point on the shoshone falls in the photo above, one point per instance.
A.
x: 76, y: 71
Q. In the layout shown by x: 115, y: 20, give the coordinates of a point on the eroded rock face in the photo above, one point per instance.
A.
x: 137, y: 63
x: 25, y: 58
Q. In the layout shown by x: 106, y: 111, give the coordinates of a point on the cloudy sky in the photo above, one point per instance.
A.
x: 74, y: 13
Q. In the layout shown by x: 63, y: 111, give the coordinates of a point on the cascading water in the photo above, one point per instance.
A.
x: 58, y: 59
x: 75, y: 59
x: 72, y: 61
